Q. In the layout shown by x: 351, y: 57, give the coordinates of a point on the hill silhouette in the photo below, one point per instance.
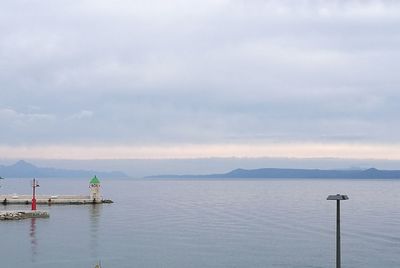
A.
x: 23, y: 169
x: 277, y: 173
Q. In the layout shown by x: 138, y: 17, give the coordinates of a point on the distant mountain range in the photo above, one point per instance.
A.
x: 23, y: 169
x: 278, y: 173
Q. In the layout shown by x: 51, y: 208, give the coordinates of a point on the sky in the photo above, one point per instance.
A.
x: 199, y: 78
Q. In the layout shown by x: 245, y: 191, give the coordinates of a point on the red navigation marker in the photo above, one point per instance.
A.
x: 34, y: 185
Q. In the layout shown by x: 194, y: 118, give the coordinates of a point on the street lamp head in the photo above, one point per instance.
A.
x: 337, y: 197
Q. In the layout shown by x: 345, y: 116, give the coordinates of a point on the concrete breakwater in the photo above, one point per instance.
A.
x: 20, y: 215
x: 50, y: 200
x: 94, y: 197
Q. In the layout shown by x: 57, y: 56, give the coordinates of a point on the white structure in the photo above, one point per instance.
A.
x: 94, y: 186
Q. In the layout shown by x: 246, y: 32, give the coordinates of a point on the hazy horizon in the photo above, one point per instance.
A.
x: 138, y: 168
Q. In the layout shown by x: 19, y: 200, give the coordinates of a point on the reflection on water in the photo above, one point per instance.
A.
x: 94, y: 217
x: 32, y: 235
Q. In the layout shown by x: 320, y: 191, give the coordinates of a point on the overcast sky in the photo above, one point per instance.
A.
x: 198, y: 78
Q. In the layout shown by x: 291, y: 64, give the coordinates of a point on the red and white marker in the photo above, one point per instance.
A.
x: 34, y: 185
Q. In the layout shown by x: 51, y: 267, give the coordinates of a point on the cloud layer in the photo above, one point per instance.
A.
x: 167, y: 73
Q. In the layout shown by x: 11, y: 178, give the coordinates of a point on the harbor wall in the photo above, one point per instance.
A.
x: 49, y: 200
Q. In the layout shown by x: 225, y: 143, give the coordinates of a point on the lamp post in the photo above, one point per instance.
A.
x: 338, y: 198
x: 34, y: 185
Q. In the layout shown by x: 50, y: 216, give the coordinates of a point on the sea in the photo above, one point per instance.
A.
x: 207, y: 223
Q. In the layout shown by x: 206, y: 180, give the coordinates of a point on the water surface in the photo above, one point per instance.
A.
x: 236, y: 223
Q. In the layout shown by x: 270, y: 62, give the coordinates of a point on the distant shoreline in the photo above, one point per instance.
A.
x: 278, y: 173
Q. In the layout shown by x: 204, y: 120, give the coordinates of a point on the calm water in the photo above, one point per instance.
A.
x: 271, y: 223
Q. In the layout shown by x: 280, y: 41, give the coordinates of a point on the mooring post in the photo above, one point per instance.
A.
x: 338, y: 197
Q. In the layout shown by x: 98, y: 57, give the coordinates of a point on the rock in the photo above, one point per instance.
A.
x: 19, y: 215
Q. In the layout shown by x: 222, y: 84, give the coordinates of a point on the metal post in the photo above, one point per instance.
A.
x: 338, y: 257
x: 34, y: 195
x: 338, y: 198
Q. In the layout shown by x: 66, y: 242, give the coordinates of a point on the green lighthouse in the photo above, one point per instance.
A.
x: 94, y: 186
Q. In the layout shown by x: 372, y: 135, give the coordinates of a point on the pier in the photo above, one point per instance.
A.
x: 94, y: 197
x: 50, y: 200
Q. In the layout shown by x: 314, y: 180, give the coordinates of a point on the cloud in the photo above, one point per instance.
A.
x: 12, y: 115
x: 199, y: 72
x: 84, y: 114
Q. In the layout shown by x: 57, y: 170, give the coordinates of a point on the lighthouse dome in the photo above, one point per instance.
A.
x: 94, y: 180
